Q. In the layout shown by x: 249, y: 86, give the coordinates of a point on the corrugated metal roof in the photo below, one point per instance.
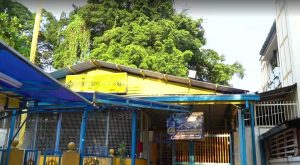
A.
x: 89, y: 65
x: 268, y: 40
x: 277, y: 94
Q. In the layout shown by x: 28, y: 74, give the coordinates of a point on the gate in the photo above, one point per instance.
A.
x: 52, y: 158
x: 31, y: 157
x: 214, y: 149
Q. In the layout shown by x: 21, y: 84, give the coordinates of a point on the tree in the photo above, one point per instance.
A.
x: 210, y: 67
x: 145, y: 34
x: 74, y: 43
x: 16, y: 23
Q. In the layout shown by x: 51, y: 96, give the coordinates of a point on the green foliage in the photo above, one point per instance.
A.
x: 145, y: 34
x: 16, y: 22
x: 211, y: 67
x: 121, y: 150
x: 150, y: 46
x: 74, y: 43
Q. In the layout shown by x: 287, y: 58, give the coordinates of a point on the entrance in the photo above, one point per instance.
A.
x: 214, y: 149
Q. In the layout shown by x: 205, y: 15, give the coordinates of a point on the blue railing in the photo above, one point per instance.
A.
x: 97, y: 150
x: 31, y: 157
x: 52, y: 158
x: 2, y: 155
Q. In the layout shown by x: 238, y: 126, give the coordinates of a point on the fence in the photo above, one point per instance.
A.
x: 51, y: 158
x: 94, y: 159
x: 273, y: 113
x: 215, y: 149
x: 31, y: 157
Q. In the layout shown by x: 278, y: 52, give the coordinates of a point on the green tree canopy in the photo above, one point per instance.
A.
x: 145, y: 34
x: 16, y: 23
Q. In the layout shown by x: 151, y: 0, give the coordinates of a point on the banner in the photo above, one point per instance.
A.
x: 108, y: 83
x: 186, y: 126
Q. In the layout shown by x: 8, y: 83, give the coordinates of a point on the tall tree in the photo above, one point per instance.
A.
x: 16, y: 23
x: 145, y: 34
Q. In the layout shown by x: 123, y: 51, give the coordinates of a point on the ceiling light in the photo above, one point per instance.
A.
x: 10, y: 81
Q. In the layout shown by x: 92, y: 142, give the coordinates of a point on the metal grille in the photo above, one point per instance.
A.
x: 95, y: 133
x: 31, y: 125
x: 120, y: 129
x: 70, y: 129
x: 284, y: 144
x: 273, y: 113
x: 214, y: 149
x: 166, y: 153
x: 182, y: 151
x: 46, y: 131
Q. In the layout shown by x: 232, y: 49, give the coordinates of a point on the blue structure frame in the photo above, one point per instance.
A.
x: 46, y: 95
x: 244, y: 98
x: 50, y: 96
x: 133, y: 137
x: 122, y: 101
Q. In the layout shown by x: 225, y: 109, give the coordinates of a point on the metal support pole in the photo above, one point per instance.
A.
x: 253, y: 134
x: 242, y: 140
x: 82, y: 135
x: 133, y: 137
x: 35, y: 130
x: 231, y: 140
x: 58, y: 128
x: 244, y: 137
x: 107, y: 128
x: 11, y: 135
x: 262, y: 153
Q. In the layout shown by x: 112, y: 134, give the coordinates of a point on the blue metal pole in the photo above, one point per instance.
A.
x: 11, y: 135
x: 253, y: 134
x: 244, y: 137
x: 133, y: 137
x: 262, y: 153
x: 82, y: 135
x: 58, y: 128
x: 241, y: 136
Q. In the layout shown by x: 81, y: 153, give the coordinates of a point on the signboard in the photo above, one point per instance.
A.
x: 186, y: 126
x: 108, y: 83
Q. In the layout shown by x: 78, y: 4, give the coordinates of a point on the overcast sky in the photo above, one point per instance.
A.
x: 234, y: 28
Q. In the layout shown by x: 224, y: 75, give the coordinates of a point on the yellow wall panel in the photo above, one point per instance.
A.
x: 146, y: 86
x: 12, y: 103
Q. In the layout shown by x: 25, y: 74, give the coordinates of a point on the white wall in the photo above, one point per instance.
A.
x: 284, y: 43
x: 258, y: 131
x: 285, y: 161
x: 293, y: 21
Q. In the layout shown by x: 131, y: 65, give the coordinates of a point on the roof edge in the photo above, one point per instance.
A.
x: 269, y: 38
x: 89, y: 65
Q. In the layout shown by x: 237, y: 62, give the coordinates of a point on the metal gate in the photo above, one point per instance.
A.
x: 214, y: 149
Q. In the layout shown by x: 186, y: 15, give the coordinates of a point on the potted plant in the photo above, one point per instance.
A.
x: 122, y: 152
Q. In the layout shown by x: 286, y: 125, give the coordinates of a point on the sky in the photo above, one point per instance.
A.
x: 235, y: 28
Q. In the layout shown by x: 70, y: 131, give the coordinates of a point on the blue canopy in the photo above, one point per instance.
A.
x: 20, y: 79
x: 117, y: 100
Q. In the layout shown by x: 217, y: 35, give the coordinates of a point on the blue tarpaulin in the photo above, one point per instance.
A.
x: 35, y: 83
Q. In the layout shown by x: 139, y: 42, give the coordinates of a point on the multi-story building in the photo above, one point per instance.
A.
x: 278, y: 113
